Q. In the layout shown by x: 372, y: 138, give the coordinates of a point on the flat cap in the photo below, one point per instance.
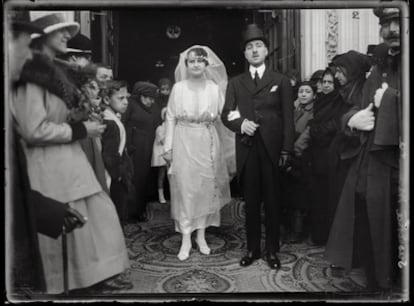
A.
x: 386, y: 13
x: 146, y: 89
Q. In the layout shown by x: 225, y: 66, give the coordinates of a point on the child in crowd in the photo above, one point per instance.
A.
x: 164, y: 86
x: 296, y: 181
x: 157, y: 160
x: 115, y: 156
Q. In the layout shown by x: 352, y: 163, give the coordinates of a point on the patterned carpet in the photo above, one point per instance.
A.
x: 155, y: 268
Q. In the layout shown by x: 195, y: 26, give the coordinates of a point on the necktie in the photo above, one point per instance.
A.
x: 256, y: 78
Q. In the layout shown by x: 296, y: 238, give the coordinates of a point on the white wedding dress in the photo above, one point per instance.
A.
x: 198, y: 176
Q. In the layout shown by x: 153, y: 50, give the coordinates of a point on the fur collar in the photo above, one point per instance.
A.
x: 53, y: 76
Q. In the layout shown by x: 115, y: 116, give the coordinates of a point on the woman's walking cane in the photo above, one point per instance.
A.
x: 65, y: 262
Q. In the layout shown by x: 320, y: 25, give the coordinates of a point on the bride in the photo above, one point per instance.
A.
x: 201, y: 161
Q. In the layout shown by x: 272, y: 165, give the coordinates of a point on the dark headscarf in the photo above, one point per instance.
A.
x: 356, y: 64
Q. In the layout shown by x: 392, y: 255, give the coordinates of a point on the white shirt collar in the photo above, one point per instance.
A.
x: 260, y: 70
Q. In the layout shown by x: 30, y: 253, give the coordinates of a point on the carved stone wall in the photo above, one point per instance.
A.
x: 328, y: 32
x: 331, y: 34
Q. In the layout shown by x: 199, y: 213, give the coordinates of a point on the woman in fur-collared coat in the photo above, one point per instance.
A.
x: 59, y: 169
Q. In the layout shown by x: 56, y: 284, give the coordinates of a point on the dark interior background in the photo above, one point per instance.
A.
x: 143, y: 41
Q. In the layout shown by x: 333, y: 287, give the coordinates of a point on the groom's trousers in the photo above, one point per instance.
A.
x: 260, y: 184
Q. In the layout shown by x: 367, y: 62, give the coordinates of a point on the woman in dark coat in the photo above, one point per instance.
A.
x: 141, y: 121
x: 351, y: 69
x: 327, y: 111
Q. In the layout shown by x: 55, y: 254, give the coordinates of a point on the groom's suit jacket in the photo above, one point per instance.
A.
x: 271, y: 103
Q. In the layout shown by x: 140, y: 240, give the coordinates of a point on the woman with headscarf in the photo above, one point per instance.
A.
x: 327, y: 111
x: 198, y: 174
x: 350, y: 71
x: 59, y: 169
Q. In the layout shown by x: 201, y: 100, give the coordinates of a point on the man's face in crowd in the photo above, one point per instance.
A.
x: 390, y: 32
x: 104, y: 74
x: 19, y: 53
x: 255, y: 52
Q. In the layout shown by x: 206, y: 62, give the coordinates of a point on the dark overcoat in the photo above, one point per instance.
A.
x: 140, y: 125
x: 374, y: 172
x: 270, y: 103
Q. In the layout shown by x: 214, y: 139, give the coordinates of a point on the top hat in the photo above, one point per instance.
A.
x: 50, y: 21
x: 253, y: 32
x: 79, y: 44
x: 20, y: 21
x: 386, y: 13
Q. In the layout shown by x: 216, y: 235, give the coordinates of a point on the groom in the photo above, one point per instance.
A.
x: 259, y: 109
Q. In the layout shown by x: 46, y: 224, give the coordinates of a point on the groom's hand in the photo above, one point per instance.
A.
x: 249, y: 127
x: 285, y: 161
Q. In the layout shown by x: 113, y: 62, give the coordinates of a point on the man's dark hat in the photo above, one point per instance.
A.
x: 253, y: 32
x: 146, y: 89
x: 20, y: 21
x: 80, y: 44
x: 386, y: 13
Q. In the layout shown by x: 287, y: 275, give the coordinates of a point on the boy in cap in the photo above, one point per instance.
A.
x: 115, y: 156
x: 369, y: 201
x: 141, y: 121
x: 259, y: 109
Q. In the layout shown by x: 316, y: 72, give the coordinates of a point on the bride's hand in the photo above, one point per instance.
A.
x: 168, y: 157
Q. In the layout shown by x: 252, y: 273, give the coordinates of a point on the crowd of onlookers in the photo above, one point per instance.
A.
x: 85, y: 149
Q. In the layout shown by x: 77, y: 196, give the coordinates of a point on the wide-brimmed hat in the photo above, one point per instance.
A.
x: 253, y: 32
x: 50, y: 21
x: 20, y: 21
x: 386, y: 13
x: 79, y: 44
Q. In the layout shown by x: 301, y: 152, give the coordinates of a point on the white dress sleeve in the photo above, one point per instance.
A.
x: 170, y: 120
x: 227, y: 139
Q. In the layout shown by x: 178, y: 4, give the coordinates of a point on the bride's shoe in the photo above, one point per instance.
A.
x: 184, y: 253
x: 203, y: 248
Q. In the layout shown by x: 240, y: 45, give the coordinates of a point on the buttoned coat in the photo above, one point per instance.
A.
x: 57, y: 167
x: 270, y: 102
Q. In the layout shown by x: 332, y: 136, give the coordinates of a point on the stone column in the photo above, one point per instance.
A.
x: 313, y: 37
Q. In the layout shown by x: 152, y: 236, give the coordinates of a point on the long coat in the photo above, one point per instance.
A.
x: 373, y: 172
x: 31, y: 213
x: 140, y: 124
x: 41, y: 118
x: 270, y: 103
